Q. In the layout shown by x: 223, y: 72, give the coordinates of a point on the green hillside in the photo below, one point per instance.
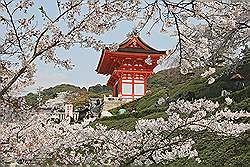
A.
x: 198, y: 87
x: 214, y: 150
x: 80, y: 96
x: 170, y: 77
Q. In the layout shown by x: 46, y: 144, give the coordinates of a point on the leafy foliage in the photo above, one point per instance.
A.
x: 51, y: 92
x: 100, y: 89
x: 170, y: 77
x: 32, y: 99
x: 80, y: 98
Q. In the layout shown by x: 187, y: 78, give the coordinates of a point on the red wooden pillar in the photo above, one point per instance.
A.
x: 120, y: 86
x: 115, y: 91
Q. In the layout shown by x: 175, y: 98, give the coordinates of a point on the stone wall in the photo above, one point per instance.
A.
x: 113, y: 102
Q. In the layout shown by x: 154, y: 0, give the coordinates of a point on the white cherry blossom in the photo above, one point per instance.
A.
x: 33, y: 140
x: 229, y: 101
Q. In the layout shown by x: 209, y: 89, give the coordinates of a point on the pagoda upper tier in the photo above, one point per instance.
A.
x: 132, y: 47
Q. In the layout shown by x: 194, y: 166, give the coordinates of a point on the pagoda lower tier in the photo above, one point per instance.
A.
x: 129, y: 83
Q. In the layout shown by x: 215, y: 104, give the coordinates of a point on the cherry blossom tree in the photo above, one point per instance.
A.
x: 207, y: 31
x: 155, y: 141
x: 26, y: 38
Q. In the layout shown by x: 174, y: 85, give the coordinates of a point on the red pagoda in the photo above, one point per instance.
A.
x: 129, y: 66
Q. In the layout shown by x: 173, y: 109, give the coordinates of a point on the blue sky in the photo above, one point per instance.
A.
x: 86, y: 59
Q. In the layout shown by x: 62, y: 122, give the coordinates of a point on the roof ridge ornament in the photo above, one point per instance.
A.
x: 133, y: 33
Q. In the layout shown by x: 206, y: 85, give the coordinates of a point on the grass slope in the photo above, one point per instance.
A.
x: 214, y: 150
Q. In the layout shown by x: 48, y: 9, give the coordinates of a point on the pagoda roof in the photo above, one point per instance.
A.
x: 133, y: 46
x: 140, y: 50
x: 144, y: 45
